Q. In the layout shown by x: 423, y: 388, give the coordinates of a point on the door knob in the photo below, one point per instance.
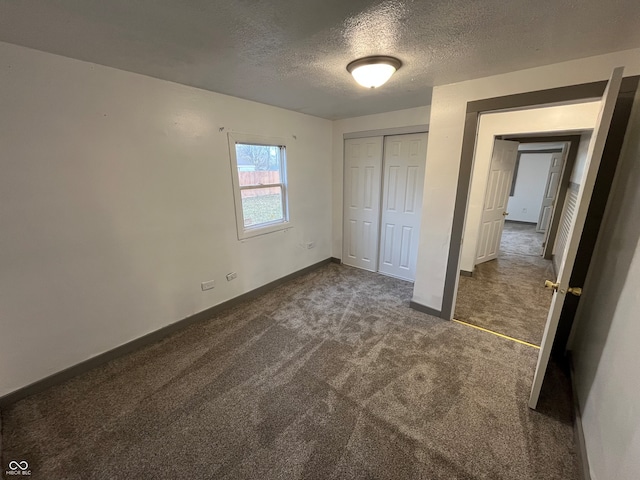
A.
x: 577, y: 291
x: 552, y: 285
x: 504, y: 214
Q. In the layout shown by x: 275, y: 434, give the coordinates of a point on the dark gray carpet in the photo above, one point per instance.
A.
x: 507, y: 295
x: 330, y: 376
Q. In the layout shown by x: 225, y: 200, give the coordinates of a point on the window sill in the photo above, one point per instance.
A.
x: 248, y: 233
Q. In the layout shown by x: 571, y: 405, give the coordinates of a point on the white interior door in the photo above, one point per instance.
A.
x: 362, y: 172
x: 503, y: 162
x: 550, y: 191
x: 594, y: 155
x: 403, y: 179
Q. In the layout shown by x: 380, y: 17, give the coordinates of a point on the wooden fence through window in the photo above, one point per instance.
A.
x: 259, y: 177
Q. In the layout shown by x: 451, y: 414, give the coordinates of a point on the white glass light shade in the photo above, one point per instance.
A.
x: 372, y: 72
x: 372, y: 76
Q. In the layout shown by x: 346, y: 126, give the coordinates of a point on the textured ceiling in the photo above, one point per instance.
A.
x: 293, y: 53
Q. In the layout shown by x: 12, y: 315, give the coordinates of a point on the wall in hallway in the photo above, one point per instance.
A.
x: 581, y: 159
x: 531, y: 180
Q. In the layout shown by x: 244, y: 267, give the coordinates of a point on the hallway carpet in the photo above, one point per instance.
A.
x: 521, y: 239
x: 507, y: 295
x: 330, y: 376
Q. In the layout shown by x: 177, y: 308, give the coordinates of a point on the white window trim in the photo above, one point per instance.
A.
x: 248, y: 232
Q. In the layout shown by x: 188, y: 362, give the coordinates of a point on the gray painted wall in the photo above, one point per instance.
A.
x: 605, y: 346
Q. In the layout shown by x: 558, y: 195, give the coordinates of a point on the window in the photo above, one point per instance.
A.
x: 259, y: 184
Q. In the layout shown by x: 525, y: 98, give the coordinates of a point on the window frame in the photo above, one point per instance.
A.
x: 266, y: 227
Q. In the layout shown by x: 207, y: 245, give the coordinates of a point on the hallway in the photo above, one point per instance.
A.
x: 507, y: 295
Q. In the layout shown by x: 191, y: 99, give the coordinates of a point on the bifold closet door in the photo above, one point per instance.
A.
x: 362, y: 172
x: 404, y: 165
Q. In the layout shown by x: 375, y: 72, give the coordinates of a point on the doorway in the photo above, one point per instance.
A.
x: 505, y: 292
x: 383, y: 184
x: 611, y: 127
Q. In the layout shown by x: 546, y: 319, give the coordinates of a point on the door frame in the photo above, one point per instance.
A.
x: 386, y: 132
x: 383, y: 132
x: 552, y: 119
x: 573, y: 93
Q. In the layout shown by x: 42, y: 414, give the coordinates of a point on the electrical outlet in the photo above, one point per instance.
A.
x: 310, y: 245
x: 208, y: 285
x: 232, y: 276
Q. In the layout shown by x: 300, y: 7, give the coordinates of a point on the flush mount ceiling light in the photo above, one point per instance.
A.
x: 371, y: 72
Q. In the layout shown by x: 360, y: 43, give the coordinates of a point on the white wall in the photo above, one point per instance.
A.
x: 383, y: 121
x: 578, y: 171
x: 446, y: 127
x: 605, y: 349
x: 531, y: 180
x: 562, y: 118
x: 116, y: 202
